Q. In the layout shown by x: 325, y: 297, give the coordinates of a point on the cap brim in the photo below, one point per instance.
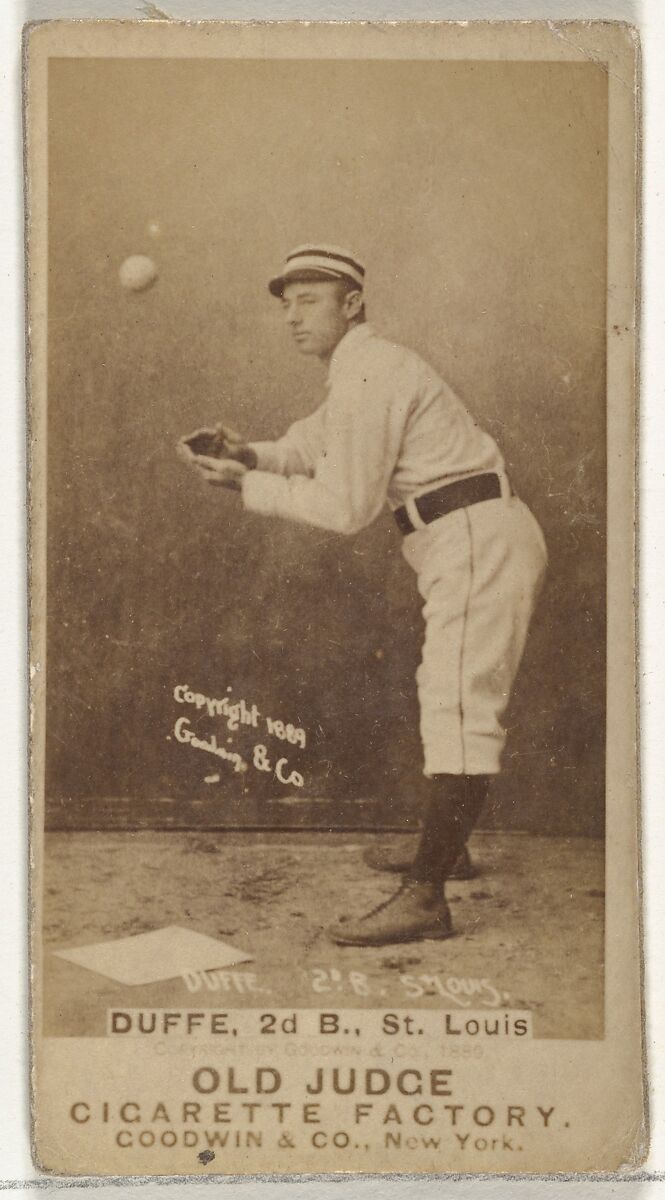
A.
x: 306, y: 275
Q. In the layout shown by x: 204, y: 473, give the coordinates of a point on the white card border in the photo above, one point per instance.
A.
x: 15, y: 1165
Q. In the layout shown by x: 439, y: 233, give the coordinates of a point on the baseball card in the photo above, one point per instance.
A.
x: 334, y: 784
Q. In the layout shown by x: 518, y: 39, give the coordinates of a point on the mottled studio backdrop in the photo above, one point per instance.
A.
x: 476, y: 194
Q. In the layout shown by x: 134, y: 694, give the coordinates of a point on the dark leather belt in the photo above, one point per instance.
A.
x: 446, y: 499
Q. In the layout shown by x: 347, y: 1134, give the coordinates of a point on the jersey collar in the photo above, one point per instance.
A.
x: 347, y: 347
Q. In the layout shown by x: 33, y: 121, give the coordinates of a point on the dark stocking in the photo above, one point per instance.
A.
x: 451, y: 812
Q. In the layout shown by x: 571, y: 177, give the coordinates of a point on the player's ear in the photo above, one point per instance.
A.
x: 353, y: 303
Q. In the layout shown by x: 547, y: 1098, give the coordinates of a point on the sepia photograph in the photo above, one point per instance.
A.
x: 332, y: 429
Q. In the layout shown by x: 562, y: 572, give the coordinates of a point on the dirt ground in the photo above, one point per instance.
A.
x: 529, y: 928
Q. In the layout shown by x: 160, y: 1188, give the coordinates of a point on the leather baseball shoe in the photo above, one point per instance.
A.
x: 389, y: 858
x: 416, y: 912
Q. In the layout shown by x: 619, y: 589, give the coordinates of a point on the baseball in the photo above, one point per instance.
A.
x: 137, y: 272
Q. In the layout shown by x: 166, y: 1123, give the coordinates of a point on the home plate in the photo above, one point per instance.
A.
x: 155, y: 956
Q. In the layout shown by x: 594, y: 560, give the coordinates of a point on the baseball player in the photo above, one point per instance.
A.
x: 390, y: 430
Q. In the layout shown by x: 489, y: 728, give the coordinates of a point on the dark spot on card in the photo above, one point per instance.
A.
x: 396, y: 962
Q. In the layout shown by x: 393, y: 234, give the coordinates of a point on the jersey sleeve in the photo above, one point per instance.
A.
x: 294, y: 454
x: 365, y: 418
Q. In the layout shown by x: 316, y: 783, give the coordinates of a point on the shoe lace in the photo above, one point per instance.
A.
x: 384, y: 903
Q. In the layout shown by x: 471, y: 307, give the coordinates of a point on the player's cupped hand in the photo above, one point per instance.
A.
x: 221, y: 472
x: 235, y: 446
x: 219, y: 441
x: 206, y: 451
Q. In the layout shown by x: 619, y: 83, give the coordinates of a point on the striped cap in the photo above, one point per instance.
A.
x: 315, y: 261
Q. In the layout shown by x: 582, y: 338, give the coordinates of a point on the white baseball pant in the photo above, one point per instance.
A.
x: 479, y: 572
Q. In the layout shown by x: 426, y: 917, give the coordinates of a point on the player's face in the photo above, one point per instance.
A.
x: 317, y: 316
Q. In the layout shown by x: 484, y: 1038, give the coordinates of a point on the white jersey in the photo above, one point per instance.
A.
x: 389, y: 430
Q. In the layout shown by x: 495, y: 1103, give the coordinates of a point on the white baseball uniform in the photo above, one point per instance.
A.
x: 391, y: 429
